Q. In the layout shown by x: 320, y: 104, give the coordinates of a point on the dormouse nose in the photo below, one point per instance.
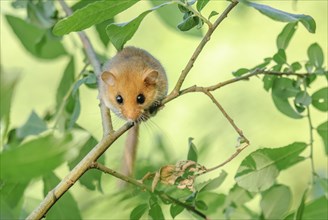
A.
x: 132, y: 114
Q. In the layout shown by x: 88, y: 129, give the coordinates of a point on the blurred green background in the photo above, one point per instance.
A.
x: 242, y: 40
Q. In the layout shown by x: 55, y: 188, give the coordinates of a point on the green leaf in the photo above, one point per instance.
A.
x: 192, y: 153
x: 303, y: 98
x: 276, y: 201
x: 8, y: 83
x: 280, y: 57
x: 240, y: 72
x: 238, y: 196
x: 66, y: 83
x: 214, y: 183
x: 72, y: 104
x: 283, y: 105
x: 282, y: 16
x: 89, y: 80
x: 309, y: 67
x: 81, y: 4
x: 259, y: 170
x: 300, y: 208
x: 101, y: 30
x: 66, y: 207
x: 323, y: 132
x: 6, y: 211
x: 44, y: 154
x: 119, y: 34
x: 33, y: 126
x: 200, y: 204
x: 316, y: 209
x: 295, y: 66
x: 174, y: 18
x: 286, y: 35
x: 320, y: 99
x: 315, y: 55
x: 188, y: 23
x: 213, y: 13
x: 268, y: 82
x: 36, y: 40
x: 190, y: 2
x: 91, y: 179
x: 41, y: 13
x: 310, y: 79
x: 266, y: 62
x: 73, y: 108
x: 175, y: 210
x: 12, y: 193
x: 18, y: 4
x: 201, y: 4
x: 138, y: 211
x: 155, y: 212
x: 282, y: 89
x: 324, y: 185
x: 91, y: 14
x: 213, y: 201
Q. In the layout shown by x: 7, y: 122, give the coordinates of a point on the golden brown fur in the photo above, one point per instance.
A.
x: 130, y: 73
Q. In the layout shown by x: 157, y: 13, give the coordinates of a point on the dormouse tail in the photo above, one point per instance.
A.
x: 130, y: 151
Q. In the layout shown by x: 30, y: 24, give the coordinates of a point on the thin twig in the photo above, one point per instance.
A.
x: 142, y: 186
x: 311, y: 142
x: 238, y: 151
x: 199, y: 49
x: 238, y: 130
x: 276, y: 73
x: 214, y: 87
x: 311, y: 137
x: 198, y: 14
x: 92, y: 56
x: 109, y: 134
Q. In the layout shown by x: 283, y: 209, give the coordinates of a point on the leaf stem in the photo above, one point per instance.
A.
x: 311, y: 136
x: 311, y: 143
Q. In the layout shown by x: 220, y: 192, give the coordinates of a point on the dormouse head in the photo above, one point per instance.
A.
x: 130, y: 94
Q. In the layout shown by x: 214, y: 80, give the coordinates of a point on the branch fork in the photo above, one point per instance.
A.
x: 110, y: 136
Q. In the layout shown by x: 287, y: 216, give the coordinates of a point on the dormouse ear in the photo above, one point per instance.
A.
x: 108, y: 78
x: 151, y: 77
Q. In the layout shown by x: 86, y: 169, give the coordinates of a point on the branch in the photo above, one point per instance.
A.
x: 233, y: 80
x: 92, y: 56
x: 238, y: 130
x: 77, y: 172
x: 110, y: 135
x: 311, y: 143
x: 199, y: 49
x: 311, y: 128
x: 239, y: 149
x: 142, y: 186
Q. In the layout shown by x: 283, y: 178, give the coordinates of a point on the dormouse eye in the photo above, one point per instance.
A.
x: 119, y: 99
x: 140, y: 99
